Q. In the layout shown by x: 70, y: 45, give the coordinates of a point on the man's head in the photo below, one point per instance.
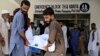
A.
x: 5, y: 15
x: 48, y: 15
x: 32, y: 24
x: 61, y: 23
x: 75, y: 26
x: 93, y: 26
x: 25, y: 5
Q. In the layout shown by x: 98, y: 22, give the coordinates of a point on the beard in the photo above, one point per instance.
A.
x: 47, y: 23
x: 23, y: 12
x: 93, y: 28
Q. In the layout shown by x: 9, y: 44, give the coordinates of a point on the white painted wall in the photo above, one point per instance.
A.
x: 95, y: 12
x: 8, y: 5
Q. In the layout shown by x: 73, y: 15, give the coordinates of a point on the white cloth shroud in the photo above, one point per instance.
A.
x: 38, y: 41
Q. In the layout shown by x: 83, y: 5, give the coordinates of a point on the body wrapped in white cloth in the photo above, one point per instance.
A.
x: 38, y: 41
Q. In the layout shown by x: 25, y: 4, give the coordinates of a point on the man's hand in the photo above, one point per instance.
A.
x: 97, y: 44
x: 2, y: 41
x: 27, y: 43
x: 45, y: 48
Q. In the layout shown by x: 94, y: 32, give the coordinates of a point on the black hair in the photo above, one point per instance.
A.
x: 48, y: 11
x: 15, y: 11
x: 93, y: 24
x: 81, y: 29
x: 75, y: 24
x: 61, y: 22
x: 26, y: 21
x: 32, y: 23
x: 26, y: 2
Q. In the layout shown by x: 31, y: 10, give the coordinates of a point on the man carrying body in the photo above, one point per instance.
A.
x: 55, y: 34
x: 18, y: 38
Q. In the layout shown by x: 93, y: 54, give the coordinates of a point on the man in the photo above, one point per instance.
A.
x: 64, y: 29
x: 74, y: 40
x: 94, y: 41
x: 4, y: 27
x: 33, y: 28
x: 55, y: 34
x: 82, y: 42
x: 18, y: 38
x: 46, y: 31
x: 1, y: 43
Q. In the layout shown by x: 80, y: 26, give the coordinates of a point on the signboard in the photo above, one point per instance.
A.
x: 84, y: 7
x: 63, y: 8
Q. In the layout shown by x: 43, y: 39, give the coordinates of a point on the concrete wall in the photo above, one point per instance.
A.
x: 94, y: 7
x: 95, y: 12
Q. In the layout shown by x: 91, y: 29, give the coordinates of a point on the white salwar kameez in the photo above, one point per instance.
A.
x: 64, y: 29
x: 4, y: 27
x: 92, y: 46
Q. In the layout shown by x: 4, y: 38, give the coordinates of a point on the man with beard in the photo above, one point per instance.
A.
x: 18, y: 38
x: 4, y: 27
x: 94, y: 41
x: 55, y: 34
x: 74, y: 39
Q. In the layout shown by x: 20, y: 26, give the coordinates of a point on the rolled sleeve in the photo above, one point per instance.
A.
x: 52, y: 33
x: 20, y: 23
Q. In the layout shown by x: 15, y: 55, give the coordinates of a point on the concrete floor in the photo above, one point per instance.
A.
x: 68, y: 54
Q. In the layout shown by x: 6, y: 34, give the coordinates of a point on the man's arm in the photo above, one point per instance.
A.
x: 98, y: 37
x: 52, y: 35
x: 21, y: 30
x: 24, y: 38
x: 1, y: 38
